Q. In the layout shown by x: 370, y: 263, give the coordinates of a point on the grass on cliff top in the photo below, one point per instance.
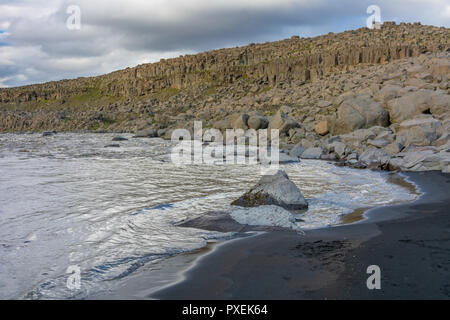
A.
x: 166, y: 94
x: 90, y: 96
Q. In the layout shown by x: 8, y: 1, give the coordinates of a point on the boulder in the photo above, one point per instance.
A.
x: 147, y: 133
x: 323, y: 104
x: 297, y: 150
x: 443, y: 140
x: 388, y: 92
x: 393, y: 148
x: 48, y: 133
x: 322, y: 128
x: 276, y: 190
x: 440, y: 67
x: 282, y: 122
x: 328, y: 157
x: 379, y: 143
x: 223, y: 124
x: 162, y: 132
x: 277, y: 120
x: 296, y: 135
x: 118, y: 138
x: 338, y: 148
x: 357, y: 113
x: 421, y: 131
x: 415, y: 103
x: 257, y: 122
x: 286, y: 158
x: 421, y: 160
x: 288, y: 125
x: 385, y: 135
x: 240, y: 121
x: 374, y: 156
x: 440, y: 103
x: 312, y: 153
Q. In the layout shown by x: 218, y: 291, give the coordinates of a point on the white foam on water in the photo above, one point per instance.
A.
x: 331, y: 192
x: 265, y: 216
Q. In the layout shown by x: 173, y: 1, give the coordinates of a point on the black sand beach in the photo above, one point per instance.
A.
x: 410, y: 243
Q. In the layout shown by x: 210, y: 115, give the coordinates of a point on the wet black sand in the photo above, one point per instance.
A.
x: 410, y: 243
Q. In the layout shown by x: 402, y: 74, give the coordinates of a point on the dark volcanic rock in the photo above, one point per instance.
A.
x: 119, y: 139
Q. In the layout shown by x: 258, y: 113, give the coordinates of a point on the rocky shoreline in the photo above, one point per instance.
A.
x: 365, y: 98
x: 331, y: 263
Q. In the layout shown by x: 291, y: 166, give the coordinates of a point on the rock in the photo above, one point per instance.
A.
x: 285, y: 159
x: 240, y: 121
x: 296, y: 135
x: 329, y: 157
x: 307, y: 143
x: 288, y: 125
x: 257, y: 122
x: 393, y: 148
x: 48, y: 133
x: 379, y: 143
x: 277, y: 120
x: 389, y: 92
x: 374, y: 156
x: 356, y: 140
x: 440, y: 67
x: 357, y: 113
x: 118, y: 138
x: 338, y: 148
x: 276, y: 190
x: 352, y: 157
x: 445, y: 161
x: 440, y: 103
x: 297, y: 150
x: 323, y: 104
x: 147, y: 133
x: 443, y: 140
x: 322, y: 128
x: 282, y: 122
x: 410, y: 105
x: 161, y: 132
x: 223, y: 124
x: 421, y: 160
x: 385, y: 135
x: 421, y: 131
x: 312, y: 153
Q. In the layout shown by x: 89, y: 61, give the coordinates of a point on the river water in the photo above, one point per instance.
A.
x: 66, y: 200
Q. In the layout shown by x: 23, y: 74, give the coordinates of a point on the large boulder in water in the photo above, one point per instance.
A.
x: 276, y: 190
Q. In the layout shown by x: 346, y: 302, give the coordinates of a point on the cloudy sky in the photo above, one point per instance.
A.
x: 36, y: 44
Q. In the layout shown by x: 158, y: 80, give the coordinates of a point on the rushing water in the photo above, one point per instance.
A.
x: 67, y: 200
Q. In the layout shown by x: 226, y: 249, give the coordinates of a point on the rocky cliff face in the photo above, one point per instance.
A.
x: 269, y: 63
